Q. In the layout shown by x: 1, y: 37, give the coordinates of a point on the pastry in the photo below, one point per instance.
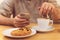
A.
x: 21, y: 32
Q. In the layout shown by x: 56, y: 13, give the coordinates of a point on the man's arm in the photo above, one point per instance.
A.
x: 6, y: 9
x: 6, y: 20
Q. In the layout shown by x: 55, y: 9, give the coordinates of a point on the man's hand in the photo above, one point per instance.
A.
x: 47, y: 8
x: 21, y: 21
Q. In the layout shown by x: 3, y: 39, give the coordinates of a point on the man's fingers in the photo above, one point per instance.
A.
x: 19, y: 20
x: 21, y: 24
x: 44, y: 8
x: 26, y: 22
x: 48, y: 10
x: 21, y: 17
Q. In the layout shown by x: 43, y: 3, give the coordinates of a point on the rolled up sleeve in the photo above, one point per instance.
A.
x: 6, y: 8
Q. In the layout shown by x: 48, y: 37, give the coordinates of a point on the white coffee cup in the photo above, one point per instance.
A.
x: 44, y: 23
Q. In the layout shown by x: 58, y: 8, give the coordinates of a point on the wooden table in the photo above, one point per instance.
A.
x: 54, y: 35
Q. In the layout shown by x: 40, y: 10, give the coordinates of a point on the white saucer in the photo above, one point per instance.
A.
x: 43, y: 30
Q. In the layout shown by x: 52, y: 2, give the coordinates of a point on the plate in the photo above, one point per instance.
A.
x: 8, y: 33
x: 37, y: 28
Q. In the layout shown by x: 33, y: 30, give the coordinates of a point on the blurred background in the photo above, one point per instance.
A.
x: 58, y: 1
x: 1, y: 1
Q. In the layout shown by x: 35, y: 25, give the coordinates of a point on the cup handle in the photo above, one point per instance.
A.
x: 51, y: 22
